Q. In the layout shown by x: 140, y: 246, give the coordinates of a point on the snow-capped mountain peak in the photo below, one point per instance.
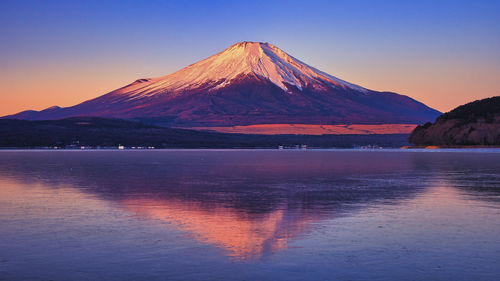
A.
x: 261, y: 59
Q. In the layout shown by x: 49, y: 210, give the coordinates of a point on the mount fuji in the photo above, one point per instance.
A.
x: 249, y: 83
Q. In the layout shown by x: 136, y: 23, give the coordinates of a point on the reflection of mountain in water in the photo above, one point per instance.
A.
x: 244, y: 236
x: 249, y: 203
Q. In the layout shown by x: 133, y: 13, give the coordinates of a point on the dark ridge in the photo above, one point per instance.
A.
x: 104, y: 132
x: 142, y: 80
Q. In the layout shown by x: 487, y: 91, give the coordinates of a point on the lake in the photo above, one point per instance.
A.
x: 250, y: 215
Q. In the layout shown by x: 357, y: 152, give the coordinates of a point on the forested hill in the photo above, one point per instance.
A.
x: 105, y: 132
x: 475, y: 123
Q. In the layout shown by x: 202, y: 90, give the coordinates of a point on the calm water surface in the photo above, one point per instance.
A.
x: 249, y: 215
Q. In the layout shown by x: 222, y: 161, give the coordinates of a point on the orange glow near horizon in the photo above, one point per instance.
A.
x: 38, y: 88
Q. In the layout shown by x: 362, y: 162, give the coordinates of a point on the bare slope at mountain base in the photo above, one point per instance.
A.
x: 305, y: 129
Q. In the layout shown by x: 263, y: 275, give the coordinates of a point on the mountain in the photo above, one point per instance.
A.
x: 475, y: 123
x: 248, y: 83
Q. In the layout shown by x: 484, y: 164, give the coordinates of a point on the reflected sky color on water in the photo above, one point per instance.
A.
x: 249, y: 215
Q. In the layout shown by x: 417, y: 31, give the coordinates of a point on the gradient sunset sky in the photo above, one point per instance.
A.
x: 442, y: 53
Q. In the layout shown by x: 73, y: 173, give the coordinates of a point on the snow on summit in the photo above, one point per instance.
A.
x: 261, y: 59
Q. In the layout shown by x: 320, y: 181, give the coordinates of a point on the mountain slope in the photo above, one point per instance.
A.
x: 475, y: 123
x: 248, y: 83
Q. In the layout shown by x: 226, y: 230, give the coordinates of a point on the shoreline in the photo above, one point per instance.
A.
x: 312, y: 149
x: 449, y: 146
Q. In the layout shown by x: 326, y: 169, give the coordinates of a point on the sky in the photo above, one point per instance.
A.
x: 442, y: 53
